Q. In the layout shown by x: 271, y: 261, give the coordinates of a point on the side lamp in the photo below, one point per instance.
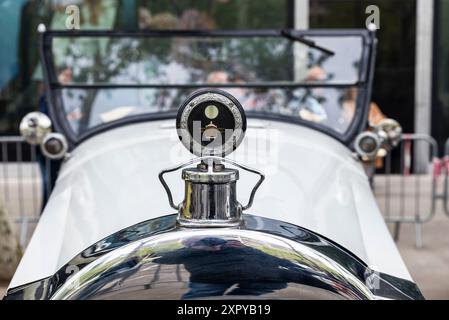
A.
x: 36, y: 129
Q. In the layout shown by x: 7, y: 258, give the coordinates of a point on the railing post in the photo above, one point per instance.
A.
x: 418, y: 218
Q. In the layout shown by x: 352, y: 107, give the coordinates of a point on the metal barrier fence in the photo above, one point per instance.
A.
x: 408, y: 196
x: 22, y: 184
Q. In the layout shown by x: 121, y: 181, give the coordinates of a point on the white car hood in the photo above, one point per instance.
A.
x: 111, y: 182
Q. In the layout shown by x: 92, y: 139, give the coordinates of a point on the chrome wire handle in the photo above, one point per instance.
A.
x: 210, y: 159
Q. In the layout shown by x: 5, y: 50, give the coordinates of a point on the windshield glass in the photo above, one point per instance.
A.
x: 104, y: 78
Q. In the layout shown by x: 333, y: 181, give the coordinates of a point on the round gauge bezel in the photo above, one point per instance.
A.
x: 199, y: 98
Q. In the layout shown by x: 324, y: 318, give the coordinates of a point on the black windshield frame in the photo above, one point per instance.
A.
x: 358, y: 124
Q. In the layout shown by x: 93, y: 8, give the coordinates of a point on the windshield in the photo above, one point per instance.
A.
x: 99, y: 78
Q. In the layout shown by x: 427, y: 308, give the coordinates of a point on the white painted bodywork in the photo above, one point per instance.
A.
x: 111, y: 182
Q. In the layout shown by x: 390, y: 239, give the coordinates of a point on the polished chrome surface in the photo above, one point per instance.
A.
x: 210, y: 204
x: 34, y: 127
x: 207, y: 263
x: 263, y: 258
x: 364, y: 153
x: 210, y: 193
x: 55, y: 146
x: 204, y: 173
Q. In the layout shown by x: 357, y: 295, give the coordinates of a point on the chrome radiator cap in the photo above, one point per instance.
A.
x: 210, y: 197
x: 210, y: 193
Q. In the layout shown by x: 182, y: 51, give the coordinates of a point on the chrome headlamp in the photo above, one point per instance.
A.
x: 34, y: 127
x: 55, y: 146
x: 367, y: 145
x: 380, y: 141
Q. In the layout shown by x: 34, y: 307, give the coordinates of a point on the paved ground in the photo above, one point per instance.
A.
x: 429, y: 266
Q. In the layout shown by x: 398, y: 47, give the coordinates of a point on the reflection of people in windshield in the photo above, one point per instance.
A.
x: 218, y: 77
x: 243, y: 95
x: 311, y: 109
x: 306, y: 102
x: 316, y: 74
x: 252, y: 99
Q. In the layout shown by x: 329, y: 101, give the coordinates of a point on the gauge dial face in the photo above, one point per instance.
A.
x: 211, y: 111
x: 211, y: 123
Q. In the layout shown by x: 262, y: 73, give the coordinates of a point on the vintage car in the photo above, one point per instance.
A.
x: 155, y: 130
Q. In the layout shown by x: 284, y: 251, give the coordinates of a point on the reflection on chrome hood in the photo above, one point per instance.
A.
x: 264, y: 258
